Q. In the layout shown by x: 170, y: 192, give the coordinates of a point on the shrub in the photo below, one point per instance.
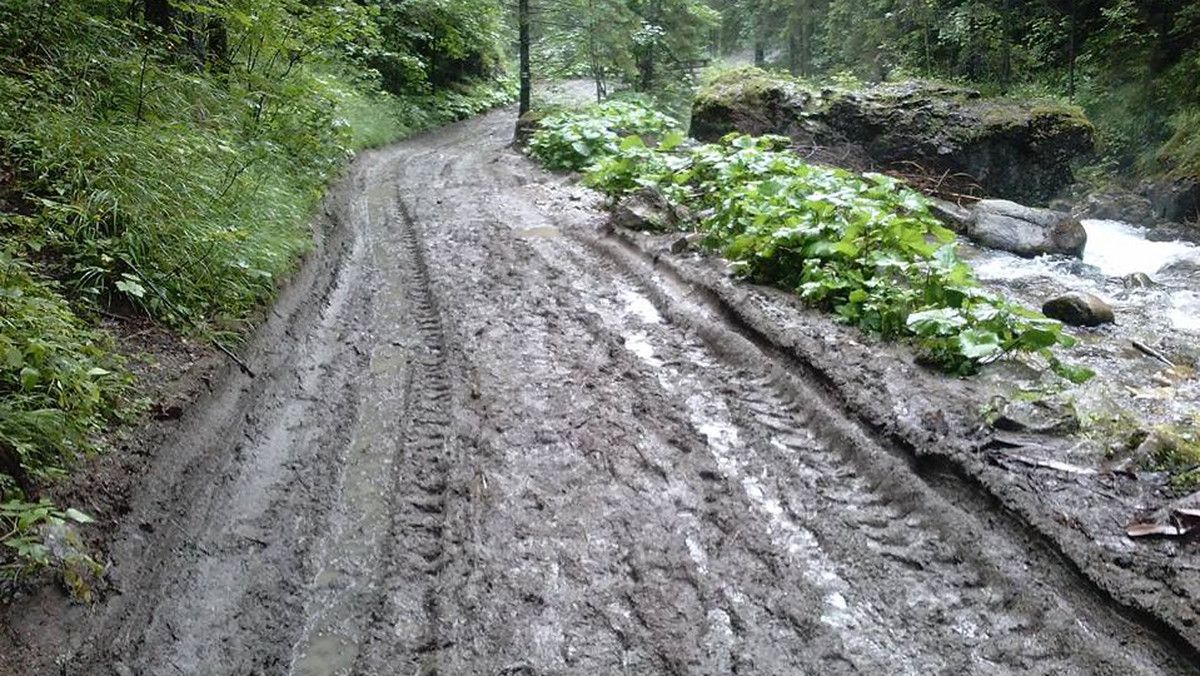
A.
x: 573, y: 140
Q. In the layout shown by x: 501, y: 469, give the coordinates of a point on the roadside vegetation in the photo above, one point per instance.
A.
x: 163, y: 160
x: 864, y: 247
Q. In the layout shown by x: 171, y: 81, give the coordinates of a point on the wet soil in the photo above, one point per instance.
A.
x: 490, y: 436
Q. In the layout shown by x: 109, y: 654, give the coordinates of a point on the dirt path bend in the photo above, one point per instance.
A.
x: 485, y: 440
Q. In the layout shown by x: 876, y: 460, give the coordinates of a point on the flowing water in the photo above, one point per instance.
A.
x: 1114, y: 251
x: 1120, y: 249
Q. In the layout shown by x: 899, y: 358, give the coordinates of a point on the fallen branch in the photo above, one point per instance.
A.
x: 1151, y: 352
x: 1053, y: 464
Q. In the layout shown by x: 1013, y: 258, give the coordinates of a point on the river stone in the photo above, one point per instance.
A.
x: 955, y: 217
x: 1137, y: 280
x: 1079, y: 309
x: 1025, y: 231
x: 1117, y: 204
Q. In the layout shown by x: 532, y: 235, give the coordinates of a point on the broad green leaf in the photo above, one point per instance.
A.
x: 979, y: 344
x: 78, y: 516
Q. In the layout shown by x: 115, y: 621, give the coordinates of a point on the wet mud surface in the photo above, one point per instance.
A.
x: 489, y: 437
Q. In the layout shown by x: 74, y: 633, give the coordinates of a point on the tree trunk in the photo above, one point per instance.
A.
x: 217, y: 53
x: 760, y: 34
x: 1006, y: 44
x: 806, y: 46
x: 526, y: 75
x: 1072, y: 49
x: 646, y: 66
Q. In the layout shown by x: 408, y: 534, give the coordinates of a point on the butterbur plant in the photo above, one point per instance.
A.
x: 864, y: 247
x: 574, y: 140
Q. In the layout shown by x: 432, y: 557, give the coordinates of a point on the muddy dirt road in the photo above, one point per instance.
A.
x: 487, y: 439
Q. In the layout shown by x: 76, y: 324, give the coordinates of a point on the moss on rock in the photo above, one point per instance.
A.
x: 1013, y: 150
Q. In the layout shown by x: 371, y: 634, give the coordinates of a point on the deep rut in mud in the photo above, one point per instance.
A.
x: 488, y: 439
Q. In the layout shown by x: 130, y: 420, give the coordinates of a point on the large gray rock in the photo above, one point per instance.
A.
x: 955, y: 217
x: 1079, y: 309
x: 1025, y: 231
x: 1012, y: 150
x: 1174, y: 201
x: 1117, y: 205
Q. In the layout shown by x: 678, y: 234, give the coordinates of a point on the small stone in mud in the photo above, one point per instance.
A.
x: 686, y: 243
x: 172, y: 411
x: 1041, y: 417
x: 1079, y: 309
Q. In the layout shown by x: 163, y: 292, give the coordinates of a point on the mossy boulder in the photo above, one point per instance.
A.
x: 751, y: 101
x: 1017, y: 151
x: 527, y: 125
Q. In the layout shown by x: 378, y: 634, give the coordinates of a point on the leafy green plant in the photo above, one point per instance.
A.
x: 58, y: 384
x: 574, y: 140
x: 864, y: 247
x: 39, y: 535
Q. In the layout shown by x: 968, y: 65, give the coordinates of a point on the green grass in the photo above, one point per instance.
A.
x: 1177, y: 452
x: 1180, y: 155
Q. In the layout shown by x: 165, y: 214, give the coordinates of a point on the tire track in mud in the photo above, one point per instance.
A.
x: 552, y: 459
x: 840, y: 513
x: 405, y: 635
x: 755, y: 527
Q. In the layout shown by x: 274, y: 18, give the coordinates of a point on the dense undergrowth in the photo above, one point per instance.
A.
x: 864, y: 247
x: 165, y: 167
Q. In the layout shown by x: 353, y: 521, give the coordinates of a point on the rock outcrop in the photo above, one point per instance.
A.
x: 1175, y: 201
x: 1015, y: 151
x: 1115, y: 204
x: 527, y: 124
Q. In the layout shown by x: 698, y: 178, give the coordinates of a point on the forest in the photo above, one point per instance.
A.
x: 161, y: 160
x: 1132, y: 66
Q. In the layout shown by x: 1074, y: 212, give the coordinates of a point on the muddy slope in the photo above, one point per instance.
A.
x: 487, y: 438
